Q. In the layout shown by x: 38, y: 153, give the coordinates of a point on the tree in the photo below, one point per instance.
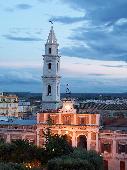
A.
x: 91, y: 156
x: 21, y: 151
x: 25, y: 152
x: 55, y: 145
x: 11, y: 166
x: 79, y: 159
x: 69, y: 163
x: 6, y: 151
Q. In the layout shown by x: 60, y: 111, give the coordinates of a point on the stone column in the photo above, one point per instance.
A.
x: 114, y: 147
x: 45, y: 117
x: 74, y: 140
x: 97, y: 142
x: 88, y: 140
x: 38, y: 137
x: 98, y: 119
x: 60, y: 119
x: 74, y: 119
x: 90, y: 119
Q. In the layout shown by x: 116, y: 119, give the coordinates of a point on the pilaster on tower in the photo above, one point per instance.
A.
x: 51, y: 74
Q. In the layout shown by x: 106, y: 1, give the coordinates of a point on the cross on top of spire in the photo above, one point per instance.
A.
x: 51, y: 38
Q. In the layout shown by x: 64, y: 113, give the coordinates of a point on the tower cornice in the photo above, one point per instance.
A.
x: 51, y: 77
x: 53, y: 56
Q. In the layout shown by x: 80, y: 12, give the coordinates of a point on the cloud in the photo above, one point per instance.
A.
x: 115, y: 66
x: 23, y: 6
x: 103, y: 33
x: 9, y: 9
x: 18, y: 38
x: 20, y: 79
x: 97, y: 74
x: 101, y: 11
x: 67, y: 20
x: 95, y: 52
x: 99, y: 42
x: 94, y: 85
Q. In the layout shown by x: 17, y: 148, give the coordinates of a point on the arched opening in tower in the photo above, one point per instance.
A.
x: 82, y: 142
x: 57, y: 67
x: 49, y: 50
x: 49, y: 90
x: 49, y: 66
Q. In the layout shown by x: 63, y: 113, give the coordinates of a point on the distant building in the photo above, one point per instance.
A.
x: 113, y: 148
x: 18, y: 129
x: 24, y: 108
x: 8, y: 105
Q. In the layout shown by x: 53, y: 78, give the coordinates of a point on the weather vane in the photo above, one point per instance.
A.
x: 51, y: 22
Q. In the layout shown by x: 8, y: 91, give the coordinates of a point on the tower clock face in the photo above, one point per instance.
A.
x: 67, y: 107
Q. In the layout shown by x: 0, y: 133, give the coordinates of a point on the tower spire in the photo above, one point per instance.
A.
x: 51, y: 38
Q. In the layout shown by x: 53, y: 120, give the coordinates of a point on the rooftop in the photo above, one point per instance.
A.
x: 18, y: 122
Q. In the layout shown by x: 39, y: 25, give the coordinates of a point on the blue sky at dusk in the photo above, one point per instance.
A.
x: 92, y: 36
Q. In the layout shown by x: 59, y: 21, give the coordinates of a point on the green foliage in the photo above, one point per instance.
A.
x: 49, y: 120
x: 80, y: 159
x: 57, y: 146
x: 91, y: 156
x: 23, y: 151
x: 20, y: 151
x: 6, y: 151
x: 11, y: 166
x: 69, y: 163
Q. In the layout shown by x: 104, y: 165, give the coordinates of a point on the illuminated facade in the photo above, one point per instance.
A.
x: 82, y: 129
x: 113, y: 147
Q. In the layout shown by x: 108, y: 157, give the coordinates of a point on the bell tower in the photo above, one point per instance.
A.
x: 51, y: 74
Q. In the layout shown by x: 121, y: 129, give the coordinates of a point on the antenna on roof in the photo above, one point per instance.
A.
x: 68, y: 92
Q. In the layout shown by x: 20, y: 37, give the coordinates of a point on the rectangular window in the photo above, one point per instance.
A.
x: 67, y: 120
x: 122, y: 148
x: 93, y: 119
x: 82, y: 121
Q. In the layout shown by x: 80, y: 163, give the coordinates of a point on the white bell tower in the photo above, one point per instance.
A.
x: 51, y: 74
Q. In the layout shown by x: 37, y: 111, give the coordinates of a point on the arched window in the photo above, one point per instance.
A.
x: 57, y: 66
x: 57, y: 90
x: 49, y: 90
x: 49, y: 66
x: 49, y: 50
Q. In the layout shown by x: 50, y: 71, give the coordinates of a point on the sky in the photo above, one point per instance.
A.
x: 92, y: 37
